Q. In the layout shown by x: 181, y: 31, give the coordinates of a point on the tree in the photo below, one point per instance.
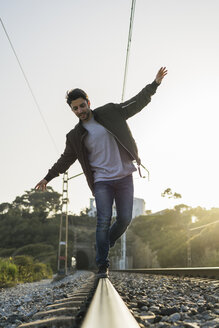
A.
x: 84, y: 212
x: 41, y: 203
x: 4, y: 208
x: 168, y: 193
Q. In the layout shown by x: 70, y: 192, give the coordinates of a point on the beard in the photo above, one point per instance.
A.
x: 84, y: 116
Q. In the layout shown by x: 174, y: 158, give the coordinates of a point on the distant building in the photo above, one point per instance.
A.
x: 138, y: 208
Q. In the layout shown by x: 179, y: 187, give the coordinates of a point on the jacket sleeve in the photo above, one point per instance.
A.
x: 64, y: 162
x: 138, y: 102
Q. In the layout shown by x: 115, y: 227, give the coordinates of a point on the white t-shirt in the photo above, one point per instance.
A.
x: 107, y: 160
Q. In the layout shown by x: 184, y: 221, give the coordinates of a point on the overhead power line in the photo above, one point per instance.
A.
x: 128, y: 47
x: 29, y: 87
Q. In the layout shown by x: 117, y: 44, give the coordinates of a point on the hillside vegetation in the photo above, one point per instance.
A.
x: 29, y: 226
x: 168, y: 236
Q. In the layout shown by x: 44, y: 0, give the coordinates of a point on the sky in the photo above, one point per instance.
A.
x: 67, y: 44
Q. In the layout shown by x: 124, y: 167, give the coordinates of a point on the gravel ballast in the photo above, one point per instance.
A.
x: 18, y: 304
x: 154, y: 300
x: 165, y: 301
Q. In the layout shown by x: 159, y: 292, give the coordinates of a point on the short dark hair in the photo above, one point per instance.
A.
x: 75, y: 94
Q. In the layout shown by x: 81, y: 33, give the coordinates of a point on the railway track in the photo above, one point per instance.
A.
x: 188, y: 272
x: 147, y: 297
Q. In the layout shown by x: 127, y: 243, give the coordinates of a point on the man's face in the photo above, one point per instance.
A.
x: 81, y: 108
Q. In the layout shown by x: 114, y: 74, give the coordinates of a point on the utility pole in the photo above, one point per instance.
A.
x: 123, y: 239
x: 63, y: 239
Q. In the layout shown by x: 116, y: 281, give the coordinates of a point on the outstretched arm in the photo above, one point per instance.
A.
x: 137, y: 103
x: 62, y: 165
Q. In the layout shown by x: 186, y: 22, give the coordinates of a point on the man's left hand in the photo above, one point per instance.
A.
x: 160, y: 75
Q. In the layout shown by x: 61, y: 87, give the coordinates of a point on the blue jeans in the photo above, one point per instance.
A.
x: 106, y: 192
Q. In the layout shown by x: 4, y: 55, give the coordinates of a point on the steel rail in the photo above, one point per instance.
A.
x: 205, y: 272
x: 107, y: 309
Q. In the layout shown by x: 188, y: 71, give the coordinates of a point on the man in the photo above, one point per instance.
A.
x: 105, y: 148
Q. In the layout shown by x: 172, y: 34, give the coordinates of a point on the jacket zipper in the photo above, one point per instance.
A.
x: 119, y: 142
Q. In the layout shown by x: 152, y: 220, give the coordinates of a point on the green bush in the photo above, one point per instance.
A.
x: 28, y: 271
x: 8, y: 273
x: 41, y: 271
x: 41, y: 253
x: 23, y: 260
x: 25, y: 268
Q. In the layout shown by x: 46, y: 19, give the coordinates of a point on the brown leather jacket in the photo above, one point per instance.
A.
x: 113, y: 117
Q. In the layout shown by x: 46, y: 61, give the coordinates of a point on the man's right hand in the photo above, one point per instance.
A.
x: 41, y: 185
